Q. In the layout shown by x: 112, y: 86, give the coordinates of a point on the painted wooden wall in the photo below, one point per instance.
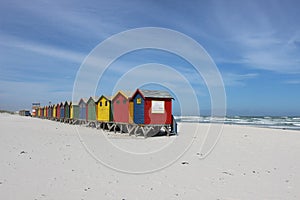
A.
x: 62, y: 111
x: 54, y: 111
x: 131, y: 112
x: 45, y: 111
x: 158, y: 118
x: 138, y: 109
x: 104, y: 110
x: 91, y: 109
x: 82, y: 110
x: 39, y: 112
x: 74, y: 111
x: 120, y: 108
x: 50, y: 111
x: 58, y: 111
x: 67, y: 110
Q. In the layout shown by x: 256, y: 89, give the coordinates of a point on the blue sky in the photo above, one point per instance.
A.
x: 255, y: 45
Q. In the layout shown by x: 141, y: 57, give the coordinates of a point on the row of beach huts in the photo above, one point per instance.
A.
x: 142, y: 112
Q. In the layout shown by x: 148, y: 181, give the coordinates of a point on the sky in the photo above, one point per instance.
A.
x: 254, y: 44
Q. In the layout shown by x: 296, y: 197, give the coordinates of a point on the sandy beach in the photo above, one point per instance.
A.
x: 43, y: 159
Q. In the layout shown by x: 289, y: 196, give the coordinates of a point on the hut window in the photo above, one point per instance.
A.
x: 138, y: 101
x: 118, y: 102
x: 158, y: 107
x: 105, y: 103
x: 100, y: 104
x: 124, y: 101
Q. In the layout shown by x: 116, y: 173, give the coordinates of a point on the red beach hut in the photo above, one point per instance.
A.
x: 152, y: 107
x: 58, y: 111
x: 121, y: 105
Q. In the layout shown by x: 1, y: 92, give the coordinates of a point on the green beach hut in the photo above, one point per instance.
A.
x: 74, y: 110
x: 91, y: 106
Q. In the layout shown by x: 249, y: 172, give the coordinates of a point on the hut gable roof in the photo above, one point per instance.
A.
x: 84, y: 100
x: 154, y: 94
x: 67, y: 103
x: 126, y: 94
x: 95, y: 99
x: 109, y: 98
x: 73, y: 103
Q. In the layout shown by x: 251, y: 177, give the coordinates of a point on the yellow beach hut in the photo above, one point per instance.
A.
x: 54, y: 111
x: 104, y: 111
x: 45, y: 112
x: 39, y: 111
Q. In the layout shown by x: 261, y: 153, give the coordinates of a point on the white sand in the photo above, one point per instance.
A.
x: 42, y: 159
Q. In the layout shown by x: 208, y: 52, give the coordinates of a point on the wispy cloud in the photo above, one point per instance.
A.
x: 293, y: 82
x: 10, y: 94
x: 270, y: 53
x: 52, y: 51
x: 232, y: 79
x: 254, y: 39
x: 81, y: 20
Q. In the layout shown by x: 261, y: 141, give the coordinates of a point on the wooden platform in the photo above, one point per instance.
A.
x: 145, y: 130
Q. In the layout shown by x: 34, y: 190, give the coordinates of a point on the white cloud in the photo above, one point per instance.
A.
x: 82, y: 19
x: 233, y: 79
x: 294, y: 82
x: 19, y: 95
x: 42, y: 49
x: 254, y: 38
x: 267, y: 51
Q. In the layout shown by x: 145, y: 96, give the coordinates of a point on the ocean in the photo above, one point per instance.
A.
x: 290, y: 123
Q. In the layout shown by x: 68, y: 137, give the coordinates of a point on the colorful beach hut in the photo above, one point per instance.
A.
x: 54, y: 111
x: 45, y: 111
x: 91, y: 108
x: 62, y: 110
x: 58, y: 111
x: 152, y: 107
x: 50, y: 107
x: 122, y: 107
x: 82, y: 109
x: 42, y: 112
x: 67, y: 110
x: 74, y: 110
x: 39, y: 112
x: 104, y: 111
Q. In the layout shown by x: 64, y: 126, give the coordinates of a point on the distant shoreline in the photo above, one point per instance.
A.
x: 273, y: 122
x: 283, y: 123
